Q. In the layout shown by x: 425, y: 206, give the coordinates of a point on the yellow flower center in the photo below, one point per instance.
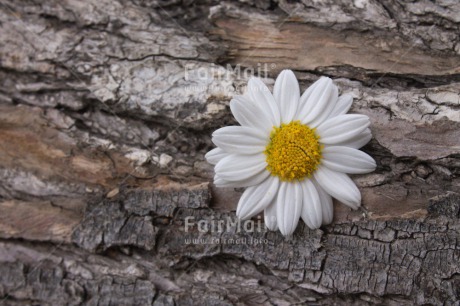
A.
x: 293, y: 152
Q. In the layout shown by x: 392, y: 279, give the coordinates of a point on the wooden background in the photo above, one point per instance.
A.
x: 105, y: 117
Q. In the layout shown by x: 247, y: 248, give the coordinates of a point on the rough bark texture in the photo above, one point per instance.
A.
x: 105, y: 116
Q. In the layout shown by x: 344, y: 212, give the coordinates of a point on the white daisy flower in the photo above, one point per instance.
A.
x: 292, y: 152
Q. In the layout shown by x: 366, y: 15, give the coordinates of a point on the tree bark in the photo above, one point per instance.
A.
x: 106, y: 112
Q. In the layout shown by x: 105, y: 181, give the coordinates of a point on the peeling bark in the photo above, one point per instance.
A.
x: 105, y: 117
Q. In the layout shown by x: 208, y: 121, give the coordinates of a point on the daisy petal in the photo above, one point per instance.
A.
x: 259, y: 93
x: 329, y: 105
x: 307, y: 221
x: 256, y: 198
x: 241, y: 110
x: 215, y: 155
x: 317, y: 102
x: 251, y: 181
x: 304, y: 109
x: 358, y: 141
x: 247, y: 113
x: 239, y: 139
x: 270, y: 216
x: 286, y: 92
x: 220, y: 182
x: 327, y: 207
x: 311, y: 208
x: 342, y: 128
x: 347, y: 160
x: 240, y: 167
x: 288, y: 207
x: 343, y: 105
x: 338, y: 185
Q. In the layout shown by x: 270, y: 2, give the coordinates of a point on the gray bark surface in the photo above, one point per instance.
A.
x: 105, y: 118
